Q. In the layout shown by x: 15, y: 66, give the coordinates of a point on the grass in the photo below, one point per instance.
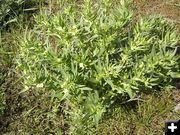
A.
x: 145, y: 118
x: 42, y: 106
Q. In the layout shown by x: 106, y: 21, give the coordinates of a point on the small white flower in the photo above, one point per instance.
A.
x: 66, y: 91
x: 40, y: 85
x: 81, y: 65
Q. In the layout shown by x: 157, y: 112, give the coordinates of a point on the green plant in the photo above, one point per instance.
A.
x: 94, y: 55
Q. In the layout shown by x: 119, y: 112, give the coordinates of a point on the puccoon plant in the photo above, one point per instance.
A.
x: 93, y: 55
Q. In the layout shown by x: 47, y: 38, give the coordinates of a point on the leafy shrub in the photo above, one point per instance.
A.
x: 93, y: 55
